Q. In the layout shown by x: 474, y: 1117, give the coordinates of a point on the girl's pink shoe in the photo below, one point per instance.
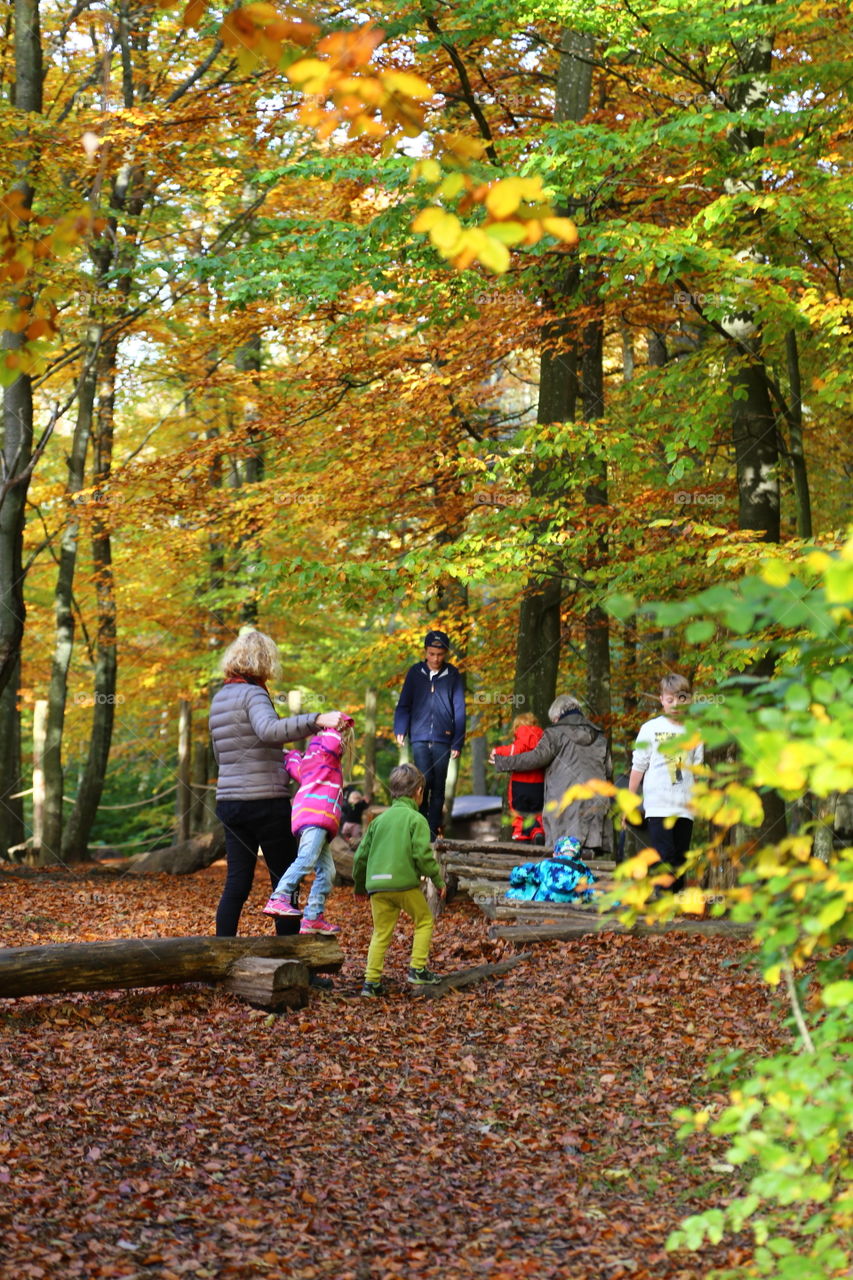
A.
x: 280, y: 907
x: 321, y: 926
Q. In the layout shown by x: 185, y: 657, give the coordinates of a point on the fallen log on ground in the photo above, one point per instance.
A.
x: 269, y: 984
x: 183, y: 859
x: 466, y: 977
x: 149, y: 962
x: 565, y: 931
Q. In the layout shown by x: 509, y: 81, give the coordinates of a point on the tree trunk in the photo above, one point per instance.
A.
x: 795, y: 436
x: 76, y: 832
x: 12, y: 829
x: 50, y: 850
x: 539, y: 624
x: 369, y: 742
x: 149, y: 962
x: 17, y: 438
x: 596, y: 622
x: 754, y: 431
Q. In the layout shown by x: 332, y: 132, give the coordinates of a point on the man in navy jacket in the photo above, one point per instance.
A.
x: 431, y: 713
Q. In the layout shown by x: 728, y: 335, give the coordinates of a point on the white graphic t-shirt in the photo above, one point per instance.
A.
x: 667, y: 780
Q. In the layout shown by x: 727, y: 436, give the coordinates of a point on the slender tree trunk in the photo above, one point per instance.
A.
x: 16, y: 445
x: 369, y: 742
x: 75, y: 836
x: 539, y: 624
x: 12, y: 829
x: 795, y: 436
x: 754, y: 431
x: 597, y: 623
x: 63, y: 608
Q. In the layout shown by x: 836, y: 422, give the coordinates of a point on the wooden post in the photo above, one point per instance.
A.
x: 369, y: 742
x: 294, y: 701
x: 39, y: 733
x: 184, y: 795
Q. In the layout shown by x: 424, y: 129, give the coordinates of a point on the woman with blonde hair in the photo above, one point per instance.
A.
x: 252, y: 794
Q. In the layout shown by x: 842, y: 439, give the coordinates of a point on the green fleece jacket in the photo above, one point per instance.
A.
x: 395, y: 852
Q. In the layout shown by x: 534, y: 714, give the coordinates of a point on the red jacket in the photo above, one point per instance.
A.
x: 526, y: 738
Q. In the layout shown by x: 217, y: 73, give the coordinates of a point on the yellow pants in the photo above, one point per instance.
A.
x: 386, y: 908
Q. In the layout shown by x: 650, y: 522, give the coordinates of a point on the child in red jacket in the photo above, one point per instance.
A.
x: 526, y: 789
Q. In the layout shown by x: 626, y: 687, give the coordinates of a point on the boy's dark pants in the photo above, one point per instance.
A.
x: 672, y: 843
x: 433, y: 759
x: 250, y: 825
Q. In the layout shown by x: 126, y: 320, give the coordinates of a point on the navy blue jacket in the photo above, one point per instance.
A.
x: 432, y: 710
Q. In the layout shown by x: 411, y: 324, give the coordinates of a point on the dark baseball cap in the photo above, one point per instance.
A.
x: 437, y: 639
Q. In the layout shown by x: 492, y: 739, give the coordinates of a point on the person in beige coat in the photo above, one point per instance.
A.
x: 572, y: 750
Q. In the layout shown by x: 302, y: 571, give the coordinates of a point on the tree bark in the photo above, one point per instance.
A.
x: 539, y: 625
x: 16, y: 445
x: 12, y: 829
x: 76, y: 831
x: 795, y: 437
x: 754, y: 432
x: 50, y: 851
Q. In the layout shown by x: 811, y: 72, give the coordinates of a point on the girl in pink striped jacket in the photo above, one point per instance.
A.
x: 316, y: 819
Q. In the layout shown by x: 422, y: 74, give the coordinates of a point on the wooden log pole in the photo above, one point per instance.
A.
x: 578, y: 928
x: 149, y: 962
x: 466, y: 977
x: 269, y: 983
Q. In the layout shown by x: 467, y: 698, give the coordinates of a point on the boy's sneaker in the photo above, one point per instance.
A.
x: 373, y: 989
x: 423, y: 977
x: 323, y: 927
x: 280, y: 907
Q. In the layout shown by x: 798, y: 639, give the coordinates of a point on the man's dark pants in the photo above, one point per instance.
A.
x: 432, y: 758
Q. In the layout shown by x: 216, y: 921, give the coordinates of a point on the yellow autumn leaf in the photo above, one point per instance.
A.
x: 493, y: 255
x: 637, y: 867
x: 445, y: 231
x: 562, y: 228
x: 407, y: 83
x: 776, y: 573
x: 503, y: 198
x: 307, y: 68
x: 692, y: 901
x: 427, y: 218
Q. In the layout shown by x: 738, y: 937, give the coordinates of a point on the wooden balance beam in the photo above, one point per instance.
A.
x: 273, y: 972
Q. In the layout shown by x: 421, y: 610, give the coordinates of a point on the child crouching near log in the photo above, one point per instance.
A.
x: 316, y: 819
x: 394, y: 853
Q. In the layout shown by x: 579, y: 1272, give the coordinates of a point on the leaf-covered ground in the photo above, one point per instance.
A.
x: 518, y: 1128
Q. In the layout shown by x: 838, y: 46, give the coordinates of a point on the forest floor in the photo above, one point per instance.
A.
x: 517, y: 1128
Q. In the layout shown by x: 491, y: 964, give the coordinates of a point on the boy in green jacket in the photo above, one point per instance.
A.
x: 392, y: 856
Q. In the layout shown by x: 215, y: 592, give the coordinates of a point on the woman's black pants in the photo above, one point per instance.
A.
x: 251, y: 825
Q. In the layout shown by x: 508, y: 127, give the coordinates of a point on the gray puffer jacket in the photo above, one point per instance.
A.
x: 247, y: 737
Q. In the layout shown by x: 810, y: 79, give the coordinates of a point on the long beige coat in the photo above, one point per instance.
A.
x: 572, y: 751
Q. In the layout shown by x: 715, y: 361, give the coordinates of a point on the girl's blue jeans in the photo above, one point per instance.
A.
x: 314, y: 855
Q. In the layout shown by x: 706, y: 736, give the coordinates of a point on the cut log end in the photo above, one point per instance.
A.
x: 269, y: 984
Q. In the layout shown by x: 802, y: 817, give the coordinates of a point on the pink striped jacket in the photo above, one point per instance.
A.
x: 317, y: 802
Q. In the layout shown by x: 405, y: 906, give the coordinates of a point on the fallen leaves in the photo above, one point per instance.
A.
x: 520, y: 1127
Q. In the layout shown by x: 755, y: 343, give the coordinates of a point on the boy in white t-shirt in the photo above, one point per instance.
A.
x: 666, y: 779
